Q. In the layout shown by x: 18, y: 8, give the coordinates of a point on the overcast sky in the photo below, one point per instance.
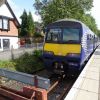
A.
x: 19, y: 5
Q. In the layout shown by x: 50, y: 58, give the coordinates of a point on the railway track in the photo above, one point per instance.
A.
x: 60, y: 85
x: 60, y: 88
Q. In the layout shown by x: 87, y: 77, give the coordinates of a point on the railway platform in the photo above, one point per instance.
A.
x: 87, y: 85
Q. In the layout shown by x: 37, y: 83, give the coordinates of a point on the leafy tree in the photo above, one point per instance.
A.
x: 51, y: 10
x: 24, y: 25
x: 90, y: 22
x: 38, y: 35
x: 98, y: 32
x: 30, y: 27
x: 27, y: 25
x: 38, y: 29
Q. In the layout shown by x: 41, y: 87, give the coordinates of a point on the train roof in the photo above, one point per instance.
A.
x: 72, y: 20
x: 65, y: 20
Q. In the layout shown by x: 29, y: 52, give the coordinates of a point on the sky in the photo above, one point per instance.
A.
x: 19, y: 5
x: 95, y: 12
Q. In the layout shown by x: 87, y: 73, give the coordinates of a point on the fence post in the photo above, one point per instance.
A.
x: 12, y: 54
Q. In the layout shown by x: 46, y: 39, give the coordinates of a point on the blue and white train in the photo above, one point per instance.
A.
x: 68, y: 44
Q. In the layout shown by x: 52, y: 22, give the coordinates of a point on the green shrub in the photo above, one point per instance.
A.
x: 29, y: 63
x: 37, y: 53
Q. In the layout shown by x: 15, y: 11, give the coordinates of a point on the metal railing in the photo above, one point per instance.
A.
x: 33, y: 80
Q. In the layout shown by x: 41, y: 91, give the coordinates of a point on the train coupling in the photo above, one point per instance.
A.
x: 58, y: 68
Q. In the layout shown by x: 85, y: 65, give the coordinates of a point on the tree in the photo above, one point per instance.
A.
x: 27, y: 25
x: 52, y: 10
x: 24, y: 25
x: 30, y: 27
x: 38, y: 35
x: 98, y: 32
x: 90, y: 22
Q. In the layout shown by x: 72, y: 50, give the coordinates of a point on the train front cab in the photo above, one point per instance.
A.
x: 59, y: 58
x: 62, y: 48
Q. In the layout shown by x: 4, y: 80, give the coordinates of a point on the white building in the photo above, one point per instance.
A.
x: 8, y: 27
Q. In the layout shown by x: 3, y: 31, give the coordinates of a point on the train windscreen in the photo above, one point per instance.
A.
x: 53, y: 35
x: 63, y: 35
x: 70, y: 34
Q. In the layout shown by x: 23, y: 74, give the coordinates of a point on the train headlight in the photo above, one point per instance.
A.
x: 48, y: 52
x: 73, y: 54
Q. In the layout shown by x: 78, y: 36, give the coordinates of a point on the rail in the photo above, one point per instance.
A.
x: 33, y: 80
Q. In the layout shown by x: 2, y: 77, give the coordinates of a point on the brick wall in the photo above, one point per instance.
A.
x: 13, y: 30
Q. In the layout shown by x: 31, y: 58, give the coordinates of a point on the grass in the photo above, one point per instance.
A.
x: 28, y: 63
x: 8, y: 65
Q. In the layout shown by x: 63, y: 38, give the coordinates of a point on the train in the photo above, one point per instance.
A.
x: 68, y: 45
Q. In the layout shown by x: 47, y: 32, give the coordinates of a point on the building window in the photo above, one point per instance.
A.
x: 0, y: 43
x: 4, y: 24
x: 0, y: 23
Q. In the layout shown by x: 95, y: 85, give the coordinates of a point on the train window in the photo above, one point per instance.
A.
x: 92, y: 37
x: 88, y: 37
x: 53, y: 35
x: 70, y: 35
x: 0, y: 43
x: 0, y: 23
